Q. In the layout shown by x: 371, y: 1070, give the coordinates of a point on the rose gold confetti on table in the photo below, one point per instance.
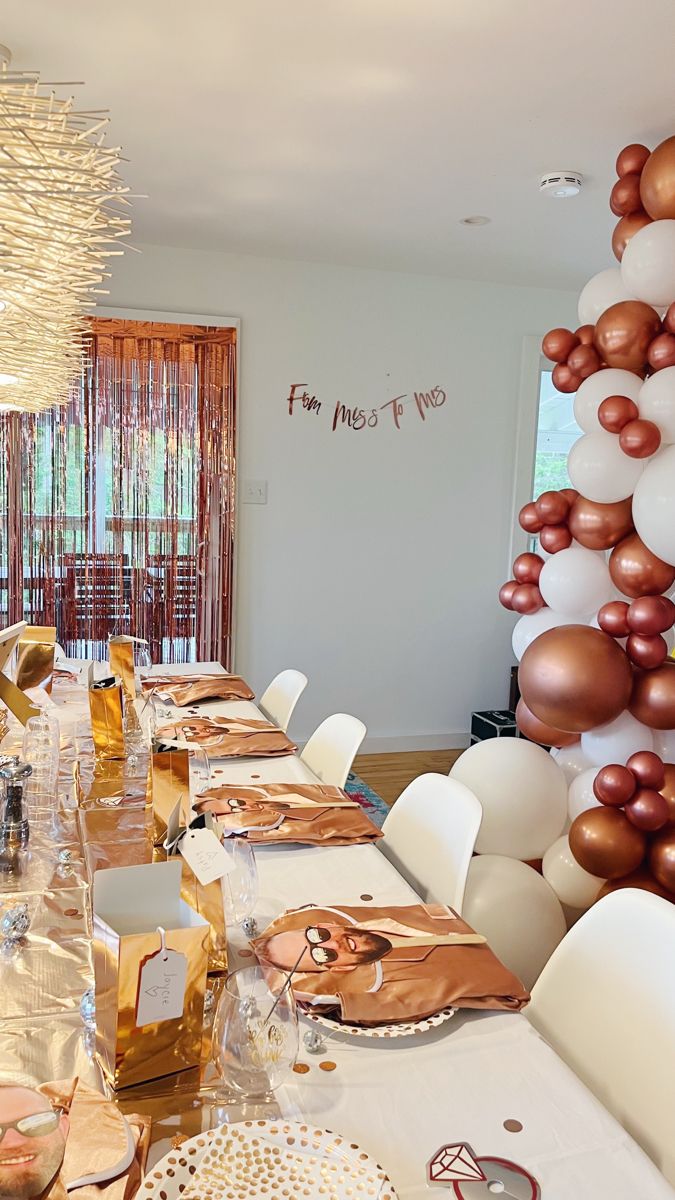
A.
x: 366, y: 896
x: 328, y: 1065
x: 301, y: 1068
x: 255, y: 777
x: 246, y: 954
x: 513, y: 1126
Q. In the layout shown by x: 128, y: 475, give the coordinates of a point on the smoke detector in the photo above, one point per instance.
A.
x: 561, y: 184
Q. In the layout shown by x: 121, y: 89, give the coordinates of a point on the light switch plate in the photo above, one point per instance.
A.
x: 255, y: 491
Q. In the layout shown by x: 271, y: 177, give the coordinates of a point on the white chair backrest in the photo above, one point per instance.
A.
x: 281, y: 696
x: 605, y: 1002
x: 429, y: 836
x: 332, y: 748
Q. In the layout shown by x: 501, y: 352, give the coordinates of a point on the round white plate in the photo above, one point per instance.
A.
x: 263, y: 1160
x: 400, y: 1029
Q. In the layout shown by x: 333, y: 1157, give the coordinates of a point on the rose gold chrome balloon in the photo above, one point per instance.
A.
x: 584, y: 361
x: 558, y: 343
x: 613, y: 618
x: 527, y: 568
x: 661, y: 352
x: 662, y: 858
x: 640, y: 439
x: 575, y: 677
x: 623, y: 334
x: 625, y: 195
x: 614, y: 785
x: 647, y: 768
x: 631, y: 159
x: 600, y: 526
x: 647, y: 810
x: 657, y: 182
x: 638, y: 572
x: 626, y: 228
x: 565, y: 380
x: 650, y: 615
x: 617, y: 411
x: 604, y: 842
x: 538, y: 731
x: 653, y: 698
x: 554, y: 538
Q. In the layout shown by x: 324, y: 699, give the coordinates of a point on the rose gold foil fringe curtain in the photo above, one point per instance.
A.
x: 117, y: 510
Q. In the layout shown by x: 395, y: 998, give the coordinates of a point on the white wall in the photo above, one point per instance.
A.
x: 375, y: 565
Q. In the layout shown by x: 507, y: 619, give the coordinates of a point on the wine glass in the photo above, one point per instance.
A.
x: 200, y: 770
x: 143, y: 659
x: 240, y: 882
x: 255, y: 1033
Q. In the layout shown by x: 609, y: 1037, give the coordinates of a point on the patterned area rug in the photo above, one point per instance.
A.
x: 369, y: 800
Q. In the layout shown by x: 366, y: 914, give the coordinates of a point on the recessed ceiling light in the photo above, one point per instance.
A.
x: 561, y: 184
x: 6, y: 380
x: 475, y: 220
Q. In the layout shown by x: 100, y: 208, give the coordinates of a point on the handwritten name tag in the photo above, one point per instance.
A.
x: 204, y: 854
x: 161, y: 989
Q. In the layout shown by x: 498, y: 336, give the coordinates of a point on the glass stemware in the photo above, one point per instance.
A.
x: 200, y: 770
x: 41, y: 748
x: 255, y: 1033
x: 240, y: 883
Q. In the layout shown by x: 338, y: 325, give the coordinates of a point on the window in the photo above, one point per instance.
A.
x: 556, y: 432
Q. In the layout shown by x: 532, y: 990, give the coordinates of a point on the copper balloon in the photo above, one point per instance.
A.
x: 570, y: 494
x: 640, y: 439
x: 537, y: 731
x: 584, y: 361
x: 647, y: 810
x: 528, y: 519
x: 554, y: 538
x: 653, y: 698
x: 613, y: 618
x: 657, y: 182
x: 650, y: 615
x: 506, y: 593
x: 661, y: 352
x: 564, y: 379
x: 552, y: 507
x: 669, y: 319
x: 646, y: 652
x: 625, y: 195
x: 638, y: 572
x: 575, y: 677
x: 623, y: 333
x: 631, y: 159
x: 647, y: 768
x: 614, y: 785
x: 527, y: 568
x: 585, y: 334
x: 558, y: 343
x: 626, y: 228
x: 600, y: 526
x: 662, y: 858
x: 668, y: 790
x: 604, y: 842
x: 617, y: 411
x: 526, y: 598
x: 642, y: 879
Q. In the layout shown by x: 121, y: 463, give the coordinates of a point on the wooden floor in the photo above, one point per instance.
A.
x: 389, y: 774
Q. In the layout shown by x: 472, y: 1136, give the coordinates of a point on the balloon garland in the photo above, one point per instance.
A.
x: 596, y: 626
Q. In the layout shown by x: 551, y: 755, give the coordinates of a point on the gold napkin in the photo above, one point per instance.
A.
x: 375, y: 966
x: 190, y: 689
x: 228, y: 737
x: 311, y: 814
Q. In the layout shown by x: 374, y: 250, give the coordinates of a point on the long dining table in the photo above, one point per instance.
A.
x: 484, y: 1078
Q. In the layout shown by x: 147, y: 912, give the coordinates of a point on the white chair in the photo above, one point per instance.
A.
x: 281, y: 696
x: 429, y: 836
x: 605, y: 1002
x: 332, y: 748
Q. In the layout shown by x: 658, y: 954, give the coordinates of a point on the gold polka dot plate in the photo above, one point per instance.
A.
x: 401, y: 1029
x: 267, y: 1160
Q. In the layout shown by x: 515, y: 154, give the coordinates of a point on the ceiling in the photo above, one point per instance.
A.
x: 360, y: 132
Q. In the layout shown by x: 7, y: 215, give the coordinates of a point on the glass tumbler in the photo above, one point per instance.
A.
x: 255, y: 1034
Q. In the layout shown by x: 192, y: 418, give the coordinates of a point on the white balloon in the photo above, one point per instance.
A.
x: 603, y: 290
x: 581, y: 796
x: 648, y: 263
x: 599, y: 469
x: 571, y: 760
x: 575, y: 581
x: 571, y: 884
x: 657, y: 402
x: 611, y: 382
x: 523, y: 793
x: 664, y: 744
x: 616, y: 741
x: 516, y: 910
x: 530, y: 626
x: 654, y: 504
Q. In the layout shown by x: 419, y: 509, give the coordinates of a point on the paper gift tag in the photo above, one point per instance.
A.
x: 205, y: 856
x: 161, y: 987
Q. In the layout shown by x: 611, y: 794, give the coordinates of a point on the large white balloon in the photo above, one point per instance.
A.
x: 581, y: 796
x: 523, y: 793
x: 603, y: 290
x: 654, y: 504
x: 530, y: 626
x: 648, y: 264
x: 599, y: 469
x: 571, y: 760
x: 664, y: 744
x: 611, y: 382
x: 575, y: 581
x: 616, y: 741
x: 657, y: 402
x: 571, y: 884
x: 517, y: 911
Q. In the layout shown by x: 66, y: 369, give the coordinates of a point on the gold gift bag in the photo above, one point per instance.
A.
x: 169, y: 782
x: 105, y: 706
x: 35, y: 657
x: 149, y: 1015
x: 121, y: 658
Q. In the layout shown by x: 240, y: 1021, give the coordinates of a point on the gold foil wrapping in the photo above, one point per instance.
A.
x: 35, y: 657
x: 105, y: 706
x: 169, y: 787
x: 121, y: 658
